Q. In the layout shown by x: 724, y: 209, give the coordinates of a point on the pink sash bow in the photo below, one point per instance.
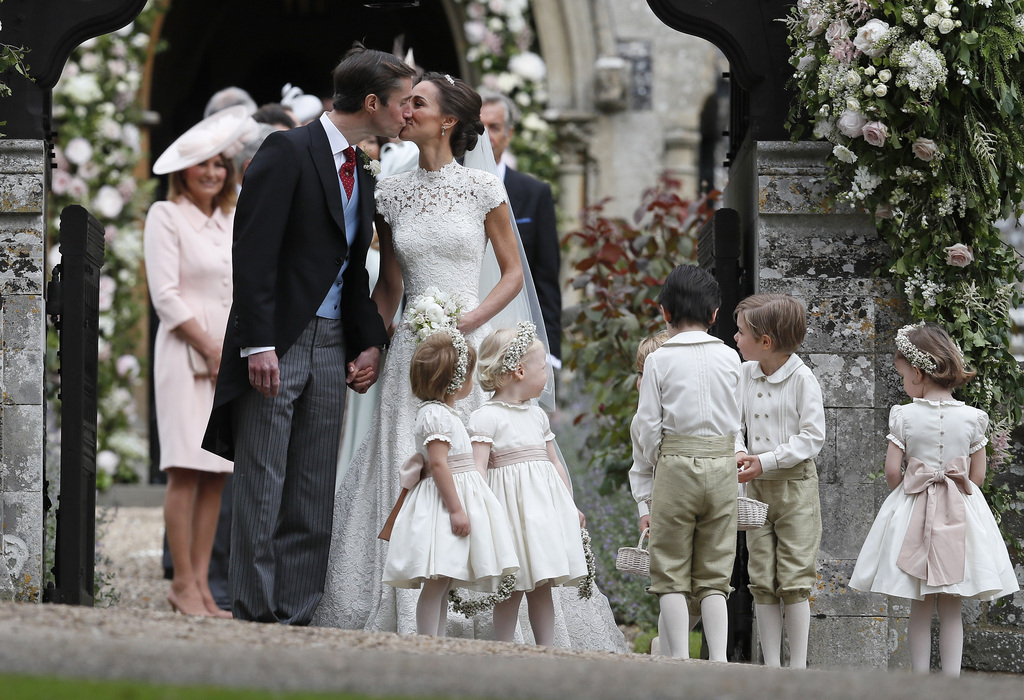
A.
x: 934, y: 547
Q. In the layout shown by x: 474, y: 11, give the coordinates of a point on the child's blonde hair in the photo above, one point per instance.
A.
x: 491, y: 373
x: 434, y: 365
x: 932, y: 340
x: 779, y: 316
x: 647, y: 346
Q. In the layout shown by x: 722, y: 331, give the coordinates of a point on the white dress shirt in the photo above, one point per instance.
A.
x: 690, y: 387
x: 783, y: 414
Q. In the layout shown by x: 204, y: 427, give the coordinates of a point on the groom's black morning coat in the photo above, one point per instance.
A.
x: 289, y: 245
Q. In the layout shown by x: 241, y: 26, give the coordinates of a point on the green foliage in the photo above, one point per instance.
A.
x: 505, y: 56
x: 11, y: 57
x: 951, y: 164
x: 618, y: 268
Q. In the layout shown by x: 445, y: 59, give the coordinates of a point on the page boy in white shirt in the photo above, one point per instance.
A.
x: 784, y: 419
x: 688, y: 421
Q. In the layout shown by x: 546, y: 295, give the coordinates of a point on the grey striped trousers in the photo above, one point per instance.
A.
x: 286, y: 452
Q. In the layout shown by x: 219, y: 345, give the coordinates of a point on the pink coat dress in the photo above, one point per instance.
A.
x: 188, y: 265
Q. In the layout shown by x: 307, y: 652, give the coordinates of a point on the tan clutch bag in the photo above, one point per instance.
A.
x: 197, y: 362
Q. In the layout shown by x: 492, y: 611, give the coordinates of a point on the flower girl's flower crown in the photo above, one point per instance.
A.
x: 915, y: 355
x: 461, y: 362
x: 526, y: 333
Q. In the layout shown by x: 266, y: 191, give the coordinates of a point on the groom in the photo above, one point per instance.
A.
x: 302, y: 326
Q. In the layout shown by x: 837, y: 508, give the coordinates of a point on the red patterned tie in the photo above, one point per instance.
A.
x: 348, y: 170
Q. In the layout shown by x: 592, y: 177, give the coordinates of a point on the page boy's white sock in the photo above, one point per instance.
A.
x: 716, y: 626
x: 673, y: 626
x: 798, y: 626
x: 769, y: 631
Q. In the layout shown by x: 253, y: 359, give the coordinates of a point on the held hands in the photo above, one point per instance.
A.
x: 264, y: 374
x: 749, y: 466
x: 645, y: 522
x: 460, y: 523
x: 363, y: 372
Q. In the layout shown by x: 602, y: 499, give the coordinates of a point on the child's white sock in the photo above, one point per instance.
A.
x: 673, y: 626
x: 798, y: 626
x: 506, y: 615
x: 428, y: 605
x: 919, y: 634
x: 442, y: 619
x: 542, y: 615
x: 716, y: 626
x: 951, y: 634
x: 769, y: 630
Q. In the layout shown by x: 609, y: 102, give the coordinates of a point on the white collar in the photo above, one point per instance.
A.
x: 334, y: 136
x: 502, y: 167
x: 692, y: 338
x: 782, y: 373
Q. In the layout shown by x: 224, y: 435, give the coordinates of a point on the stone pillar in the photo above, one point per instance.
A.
x: 23, y: 342
x: 681, y: 157
x: 826, y: 257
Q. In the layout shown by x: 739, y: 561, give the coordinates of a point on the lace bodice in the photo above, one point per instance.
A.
x: 436, y: 220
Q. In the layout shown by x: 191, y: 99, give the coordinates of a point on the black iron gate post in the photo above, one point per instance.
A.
x: 73, y: 307
x: 719, y: 250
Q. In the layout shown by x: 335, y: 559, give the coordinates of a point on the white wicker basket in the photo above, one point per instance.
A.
x: 635, y: 560
x: 750, y: 513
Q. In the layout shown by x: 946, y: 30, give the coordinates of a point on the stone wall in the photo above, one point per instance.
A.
x: 22, y: 353
x: 827, y: 257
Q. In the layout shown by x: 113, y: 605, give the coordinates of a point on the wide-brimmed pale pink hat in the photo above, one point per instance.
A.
x: 222, y: 132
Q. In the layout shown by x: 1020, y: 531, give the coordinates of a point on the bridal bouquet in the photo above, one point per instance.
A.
x: 432, y: 311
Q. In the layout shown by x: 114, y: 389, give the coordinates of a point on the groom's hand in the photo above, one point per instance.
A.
x: 363, y: 372
x: 264, y: 374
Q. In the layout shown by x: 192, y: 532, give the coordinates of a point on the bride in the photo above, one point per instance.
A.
x: 434, y: 225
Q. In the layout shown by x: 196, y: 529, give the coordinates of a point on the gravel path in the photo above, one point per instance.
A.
x: 137, y: 638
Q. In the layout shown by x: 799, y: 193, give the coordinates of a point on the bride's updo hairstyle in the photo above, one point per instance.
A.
x: 459, y: 100
x: 492, y: 369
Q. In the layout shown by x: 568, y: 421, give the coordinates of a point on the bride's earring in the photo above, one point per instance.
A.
x: 443, y: 127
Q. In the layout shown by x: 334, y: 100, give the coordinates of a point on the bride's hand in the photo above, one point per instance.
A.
x: 468, y: 323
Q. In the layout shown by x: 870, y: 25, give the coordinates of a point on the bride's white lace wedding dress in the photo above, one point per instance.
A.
x: 437, y: 222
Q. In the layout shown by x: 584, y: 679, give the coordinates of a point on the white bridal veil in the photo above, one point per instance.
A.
x: 524, y: 307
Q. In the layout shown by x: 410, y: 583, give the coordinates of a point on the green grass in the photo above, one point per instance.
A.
x: 14, y: 687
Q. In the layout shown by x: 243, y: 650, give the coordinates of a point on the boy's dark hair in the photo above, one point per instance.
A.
x: 365, y: 72
x: 690, y: 295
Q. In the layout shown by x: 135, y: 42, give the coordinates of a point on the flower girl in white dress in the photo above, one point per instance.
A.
x: 449, y: 529
x: 934, y: 539
x: 514, y: 443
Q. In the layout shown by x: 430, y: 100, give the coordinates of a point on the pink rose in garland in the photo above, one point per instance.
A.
x: 959, y: 255
x: 925, y: 149
x: 875, y: 133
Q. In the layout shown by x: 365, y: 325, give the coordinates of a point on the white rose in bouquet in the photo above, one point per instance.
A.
x: 852, y: 123
x: 869, y: 35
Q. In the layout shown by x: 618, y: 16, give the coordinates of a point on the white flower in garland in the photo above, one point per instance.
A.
x: 923, y: 68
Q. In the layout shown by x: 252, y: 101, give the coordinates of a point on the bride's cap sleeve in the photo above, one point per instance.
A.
x: 482, y: 425
x: 382, y: 200
x: 434, y: 423
x: 490, y: 191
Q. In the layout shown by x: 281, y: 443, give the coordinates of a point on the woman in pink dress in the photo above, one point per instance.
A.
x: 188, y: 263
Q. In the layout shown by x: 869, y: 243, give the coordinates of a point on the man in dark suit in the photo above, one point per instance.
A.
x: 534, y: 209
x: 302, y: 326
